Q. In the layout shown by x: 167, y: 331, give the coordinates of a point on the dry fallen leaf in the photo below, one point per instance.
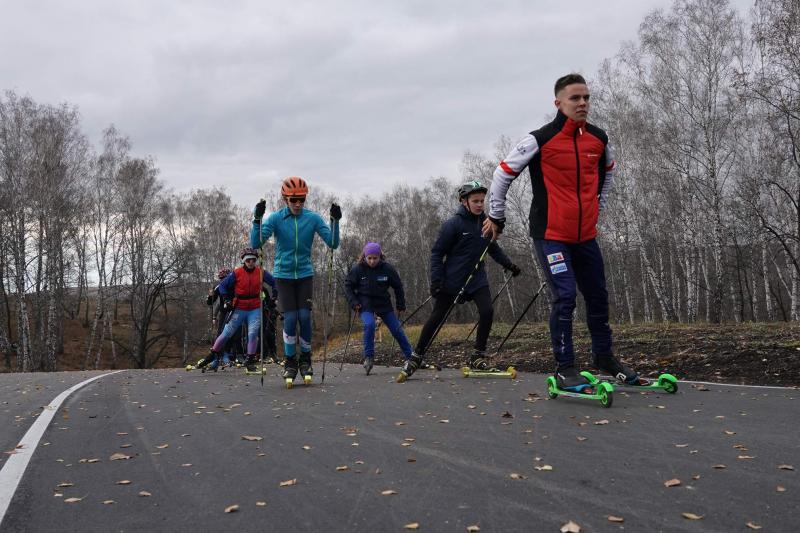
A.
x: 444, y: 421
x: 692, y: 516
x: 261, y: 504
x: 753, y: 525
x: 232, y: 508
x: 570, y: 527
x: 65, y: 484
x: 161, y: 447
x: 581, y: 439
x: 72, y: 500
x: 780, y: 488
x: 601, y: 422
x: 785, y: 467
x: 745, y: 457
x: 124, y: 482
x: 618, y: 519
x: 546, y: 468
x: 144, y: 494
x: 288, y: 482
x: 109, y: 502
x: 514, y: 475
x: 507, y: 414
x: 252, y: 438
x: 412, y: 525
x: 306, y: 447
x: 342, y: 468
x: 719, y: 467
x: 119, y: 456
x: 672, y: 482
x: 388, y: 492
x: 473, y: 529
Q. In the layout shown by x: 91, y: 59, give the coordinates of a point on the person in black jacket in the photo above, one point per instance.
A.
x: 453, y: 258
x: 367, y: 290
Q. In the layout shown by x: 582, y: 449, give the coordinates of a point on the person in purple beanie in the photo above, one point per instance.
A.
x: 367, y: 290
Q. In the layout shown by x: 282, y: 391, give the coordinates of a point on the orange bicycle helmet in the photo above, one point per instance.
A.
x: 294, y: 186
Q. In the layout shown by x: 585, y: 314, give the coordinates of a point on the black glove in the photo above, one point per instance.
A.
x: 356, y: 307
x: 500, y: 223
x: 336, y: 212
x: 514, y: 269
x: 258, y: 212
x: 436, y: 287
x: 227, y: 305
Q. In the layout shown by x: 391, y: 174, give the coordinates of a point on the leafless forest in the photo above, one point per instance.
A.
x: 703, y: 110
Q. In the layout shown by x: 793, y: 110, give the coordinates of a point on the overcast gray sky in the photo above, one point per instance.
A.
x: 352, y: 95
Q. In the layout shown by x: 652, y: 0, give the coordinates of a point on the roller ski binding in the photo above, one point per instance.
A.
x: 479, y: 367
x: 430, y: 366
x: 306, y: 370
x: 411, y: 365
x: 290, y: 371
x: 627, y: 377
x: 568, y: 382
x: 369, y: 362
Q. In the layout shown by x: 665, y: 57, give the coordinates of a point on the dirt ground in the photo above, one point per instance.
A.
x: 749, y: 353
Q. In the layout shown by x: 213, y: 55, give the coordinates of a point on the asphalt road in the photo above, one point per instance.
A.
x: 366, y: 454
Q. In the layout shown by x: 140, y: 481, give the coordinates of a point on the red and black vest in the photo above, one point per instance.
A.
x: 248, y: 288
x: 567, y: 175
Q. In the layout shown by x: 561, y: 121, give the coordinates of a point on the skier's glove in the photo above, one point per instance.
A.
x: 356, y: 307
x: 514, y: 269
x: 336, y: 212
x: 436, y: 287
x: 500, y: 223
x: 258, y: 212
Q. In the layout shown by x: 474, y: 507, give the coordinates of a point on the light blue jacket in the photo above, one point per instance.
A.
x: 294, y: 236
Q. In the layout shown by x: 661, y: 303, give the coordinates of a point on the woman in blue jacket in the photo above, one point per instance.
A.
x: 294, y: 228
x: 453, y: 258
x: 367, y: 290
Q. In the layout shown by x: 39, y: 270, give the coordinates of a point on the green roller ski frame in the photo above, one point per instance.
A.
x: 604, y: 391
x: 666, y: 382
x: 509, y: 372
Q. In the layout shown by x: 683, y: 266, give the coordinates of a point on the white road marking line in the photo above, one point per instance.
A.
x: 12, y: 471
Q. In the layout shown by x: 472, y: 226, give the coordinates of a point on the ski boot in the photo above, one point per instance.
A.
x: 251, y: 366
x: 568, y: 382
x: 204, y: 362
x: 290, y: 371
x: 411, y: 365
x: 368, y: 364
x: 306, y: 369
x: 613, y: 367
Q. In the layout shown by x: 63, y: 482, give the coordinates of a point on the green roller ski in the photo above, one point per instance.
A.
x: 602, y: 392
x: 666, y: 382
x: 510, y: 372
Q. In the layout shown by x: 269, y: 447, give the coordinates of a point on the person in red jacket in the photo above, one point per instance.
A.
x: 571, y: 168
x: 242, y: 288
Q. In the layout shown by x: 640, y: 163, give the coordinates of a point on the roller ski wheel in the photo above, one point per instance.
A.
x: 601, y: 391
x: 401, y: 377
x: 189, y: 367
x: 509, y: 372
x: 256, y: 371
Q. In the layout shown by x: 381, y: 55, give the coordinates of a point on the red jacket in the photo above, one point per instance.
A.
x: 571, y: 169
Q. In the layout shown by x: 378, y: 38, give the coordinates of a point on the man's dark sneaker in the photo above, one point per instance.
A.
x: 202, y: 363
x: 569, y: 379
x: 251, y: 364
x: 612, y: 366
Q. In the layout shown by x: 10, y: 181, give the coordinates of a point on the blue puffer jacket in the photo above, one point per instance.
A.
x: 458, y: 248
x: 294, y: 236
x: 370, y: 287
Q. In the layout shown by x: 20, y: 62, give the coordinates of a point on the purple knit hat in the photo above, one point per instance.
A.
x: 372, y: 248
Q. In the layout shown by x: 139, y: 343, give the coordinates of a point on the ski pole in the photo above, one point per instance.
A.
x: 324, y: 301
x: 496, y: 296
x: 261, y: 303
x: 414, y: 312
x: 458, y: 296
x: 347, y: 342
x: 520, y: 318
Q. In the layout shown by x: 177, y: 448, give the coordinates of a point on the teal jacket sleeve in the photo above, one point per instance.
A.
x: 331, y: 238
x: 267, y: 229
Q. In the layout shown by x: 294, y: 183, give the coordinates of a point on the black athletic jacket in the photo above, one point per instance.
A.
x: 370, y: 287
